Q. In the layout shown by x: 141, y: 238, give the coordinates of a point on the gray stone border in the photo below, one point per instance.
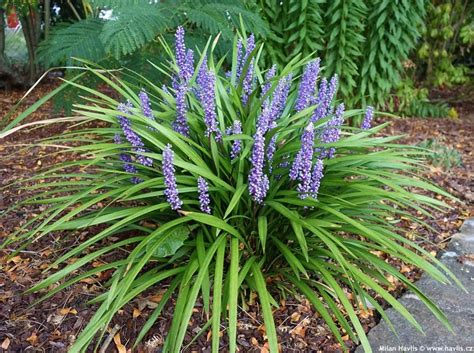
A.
x: 455, y: 303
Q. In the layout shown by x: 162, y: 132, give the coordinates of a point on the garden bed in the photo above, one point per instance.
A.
x: 55, y: 323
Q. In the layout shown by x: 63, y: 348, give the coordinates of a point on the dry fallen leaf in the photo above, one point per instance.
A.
x: 295, y: 316
x: 120, y: 347
x: 32, y: 339
x: 136, y: 313
x: 254, y: 341
x: 65, y: 311
x: 157, y: 297
x: 5, y: 343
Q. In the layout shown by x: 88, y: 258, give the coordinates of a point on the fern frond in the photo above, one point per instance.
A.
x: 134, y: 26
x: 111, y: 4
x: 80, y: 39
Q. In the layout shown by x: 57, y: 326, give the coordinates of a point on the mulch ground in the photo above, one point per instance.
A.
x: 54, y: 324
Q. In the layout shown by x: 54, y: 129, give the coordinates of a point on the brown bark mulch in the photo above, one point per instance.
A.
x: 54, y: 324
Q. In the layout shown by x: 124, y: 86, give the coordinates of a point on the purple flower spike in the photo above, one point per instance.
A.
x: 128, y: 166
x: 171, y: 191
x: 247, y: 84
x: 301, y: 167
x: 184, y: 58
x: 131, y: 136
x: 369, y: 115
x: 185, y: 62
x: 320, y: 101
x: 268, y: 76
x: 307, y: 85
x: 117, y: 139
x: 239, y: 59
x: 279, y: 98
x: 316, y: 176
x: 305, y: 161
x: 126, y: 126
x: 271, y: 152
x: 145, y: 104
x: 237, y: 144
x: 188, y: 69
x: 145, y: 161
x: 180, y: 47
x: 204, y: 199
x: 272, y: 110
x: 258, y: 181
x: 180, y: 125
x: 248, y: 80
x: 332, y: 131
x: 206, y: 94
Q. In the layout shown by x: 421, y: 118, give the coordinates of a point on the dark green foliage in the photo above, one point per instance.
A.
x: 364, y: 42
x: 392, y: 32
x: 297, y: 28
x: 345, y: 25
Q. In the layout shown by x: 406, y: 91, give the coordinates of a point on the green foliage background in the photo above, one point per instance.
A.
x: 364, y: 42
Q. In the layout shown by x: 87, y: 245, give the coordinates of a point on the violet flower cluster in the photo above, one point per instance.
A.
x: 325, y: 96
x: 271, y: 148
x: 316, y: 176
x: 138, y: 147
x: 307, y: 85
x: 236, y: 129
x: 273, y: 109
x: 171, y: 192
x: 332, y: 131
x: 146, y: 105
x: 258, y: 180
x: 268, y: 77
x: 127, y: 160
x: 185, y: 63
x: 204, y: 199
x: 206, y: 80
x: 369, y: 115
x: 301, y: 168
x: 242, y: 58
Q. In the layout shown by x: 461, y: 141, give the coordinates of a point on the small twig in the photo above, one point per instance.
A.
x: 22, y: 251
x: 74, y: 10
x: 109, y: 338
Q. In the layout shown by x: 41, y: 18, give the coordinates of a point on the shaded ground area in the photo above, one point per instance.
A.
x: 53, y: 325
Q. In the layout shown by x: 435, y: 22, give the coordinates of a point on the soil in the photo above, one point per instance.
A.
x: 54, y: 324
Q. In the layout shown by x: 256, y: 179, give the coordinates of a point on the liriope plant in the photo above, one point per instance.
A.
x: 225, y: 183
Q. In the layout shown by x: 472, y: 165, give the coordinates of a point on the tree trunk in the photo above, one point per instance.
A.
x: 31, y: 25
x: 2, y: 33
x: 47, y: 17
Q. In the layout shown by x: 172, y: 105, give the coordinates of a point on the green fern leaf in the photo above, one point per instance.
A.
x: 132, y: 27
x: 80, y: 40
